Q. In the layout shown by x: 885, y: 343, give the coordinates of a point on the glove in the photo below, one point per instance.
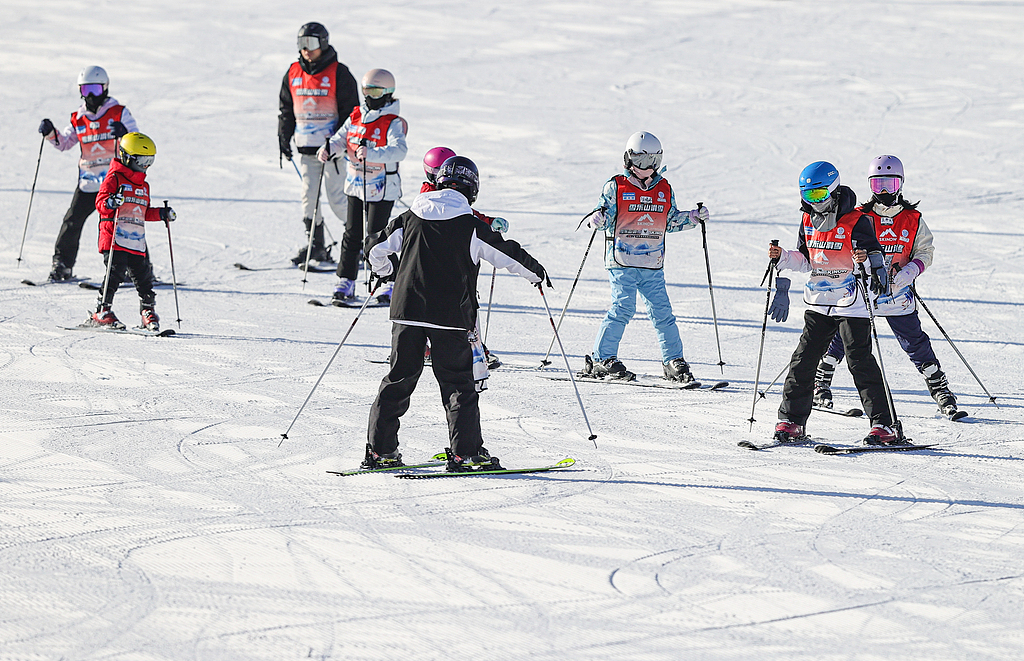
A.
x: 46, y: 127
x: 544, y: 279
x: 879, y: 274
x: 905, y: 277
x: 779, y: 309
x: 499, y: 225
x: 596, y: 219
x: 118, y: 129
x: 378, y: 280
x: 115, y: 200
x: 361, y: 152
x: 700, y: 214
x: 167, y: 214
x: 285, y: 145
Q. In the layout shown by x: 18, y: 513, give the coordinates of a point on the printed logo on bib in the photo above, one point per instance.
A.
x: 629, y: 196
x: 325, y: 81
x: 888, y: 234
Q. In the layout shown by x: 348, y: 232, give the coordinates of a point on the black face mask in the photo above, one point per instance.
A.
x: 886, y: 199
x: 377, y: 104
x: 93, y: 103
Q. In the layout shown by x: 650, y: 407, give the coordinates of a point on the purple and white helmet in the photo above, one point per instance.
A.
x: 885, y: 175
x: 433, y: 159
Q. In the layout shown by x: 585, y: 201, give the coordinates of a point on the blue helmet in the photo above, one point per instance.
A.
x: 818, y: 181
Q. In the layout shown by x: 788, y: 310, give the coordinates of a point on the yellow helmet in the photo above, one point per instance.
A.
x: 137, y: 151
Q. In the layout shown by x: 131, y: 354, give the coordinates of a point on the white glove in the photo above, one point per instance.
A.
x: 700, y: 215
x: 322, y: 155
x: 499, y: 224
x: 906, y: 276
x: 597, y: 220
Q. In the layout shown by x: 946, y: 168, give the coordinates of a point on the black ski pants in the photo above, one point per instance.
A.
x: 377, y: 216
x: 70, y: 233
x: 819, y: 329
x: 141, y: 271
x: 451, y: 358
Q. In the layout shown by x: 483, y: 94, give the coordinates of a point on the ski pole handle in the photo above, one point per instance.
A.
x: 771, y: 264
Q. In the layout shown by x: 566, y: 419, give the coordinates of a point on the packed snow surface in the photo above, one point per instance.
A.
x: 150, y: 510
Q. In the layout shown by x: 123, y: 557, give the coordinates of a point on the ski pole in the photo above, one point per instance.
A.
x: 593, y: 436
x: 328, y: 365
x: 896, y: 423
x: 778, y: 376
x: 544, y: 361
x: 110, y: 253
x: 31, y: 195
x: 487, y: 323
x: 295, y: 165
x: 316, y: 212
x: 366, y: 213
x: 946, y: 335
x: 711, y: 289
x: 764, y: 329
x: 174, y: 278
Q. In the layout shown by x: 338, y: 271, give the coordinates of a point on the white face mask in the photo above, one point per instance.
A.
x: 823, y: 206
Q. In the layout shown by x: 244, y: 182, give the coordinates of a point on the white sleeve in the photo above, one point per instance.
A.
x: 483, y: 250
x: 379, y: 262
x: 793, y: 260
x: 129, y: 121
x: 66, y: 139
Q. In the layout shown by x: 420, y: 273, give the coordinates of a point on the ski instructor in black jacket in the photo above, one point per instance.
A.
x: 441, y: 244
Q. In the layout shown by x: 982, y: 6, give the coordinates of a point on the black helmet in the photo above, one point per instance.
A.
x: 460, y: 174
x: 311, y: 31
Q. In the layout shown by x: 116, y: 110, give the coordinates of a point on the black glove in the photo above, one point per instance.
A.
x: 879, y: 274
x: 285, y: 145
x: 544, y: 279
x: 46, y: 127
x: 115, y: 200
x: 118, y: 128
x: 378, y: 280
x: 167, y: 214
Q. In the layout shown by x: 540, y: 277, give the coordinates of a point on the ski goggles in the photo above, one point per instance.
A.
x: 94, y: 89
x: 143, y: 162
x: 309, y: 43
x: 885, y: 184
x: 814, y: 195
x: 644, y: 160
x: 377, y: 92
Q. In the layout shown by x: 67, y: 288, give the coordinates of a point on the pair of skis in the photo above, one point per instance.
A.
x: 664, y: 384
x: 438, y: 460
x: 127, y: 330
x: 824, y: 448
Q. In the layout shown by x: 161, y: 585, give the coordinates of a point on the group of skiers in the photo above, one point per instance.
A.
x: 350, y: 140
x: 111, y: 180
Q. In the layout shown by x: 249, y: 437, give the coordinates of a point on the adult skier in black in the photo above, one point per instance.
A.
x: 440, y: 243
x: 317, y: 94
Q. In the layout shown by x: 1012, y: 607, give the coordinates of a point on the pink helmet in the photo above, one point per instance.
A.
x: 433, y: 159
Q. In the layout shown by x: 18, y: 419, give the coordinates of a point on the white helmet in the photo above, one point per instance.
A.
x: 93, y: 74
x: 643, y: 151
x: 379, y: 79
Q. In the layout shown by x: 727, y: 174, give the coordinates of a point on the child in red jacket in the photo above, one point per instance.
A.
x: 123, y: 205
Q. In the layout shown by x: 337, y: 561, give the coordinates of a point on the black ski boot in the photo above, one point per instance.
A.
x: 319, y: 252
x: 609, y: 368
x: 59, y: 272
x: 823, y: 382
x: 938, y: 388
x: 678, y: 370
x: 481, y: 461
x: 374, y: 461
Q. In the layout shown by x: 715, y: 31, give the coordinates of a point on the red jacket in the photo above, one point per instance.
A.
x: 117, y: 176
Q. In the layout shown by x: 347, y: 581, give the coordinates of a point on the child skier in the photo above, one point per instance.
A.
x: 372, y: 140
x: 830, y: 229
x: 95, y: 127
x: 123, y: 205
x: 432, y: 161
x: 907, y: 242
x: 638, y: 208
x: 440, y: 243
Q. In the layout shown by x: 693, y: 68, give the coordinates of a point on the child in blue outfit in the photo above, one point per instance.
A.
x: 638, y: 208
